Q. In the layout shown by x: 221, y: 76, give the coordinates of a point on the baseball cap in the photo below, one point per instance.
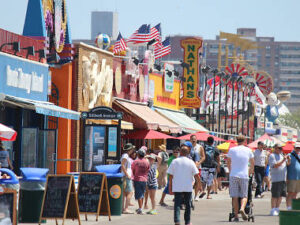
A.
x: 141, y: 152
x: 188, y: 144
x: 297, y: 144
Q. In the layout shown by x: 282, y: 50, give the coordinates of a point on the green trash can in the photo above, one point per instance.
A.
x: 115, y: 187
x: 296, y: 204
x: 291, y: 217
x: 32, y: 187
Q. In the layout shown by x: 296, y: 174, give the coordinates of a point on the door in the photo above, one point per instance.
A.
x: 47, y: 150
x: 29, y: 147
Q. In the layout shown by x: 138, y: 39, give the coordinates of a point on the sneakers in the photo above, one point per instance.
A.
x: 289, y: 208
x: 152, y: 212
x: 163, y: 204
x: 236, y: 220
x: 274, y: 212
x: 244, y: 216
x: 139, y: 211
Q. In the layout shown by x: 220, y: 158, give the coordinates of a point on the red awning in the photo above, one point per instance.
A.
x: 201, y: 136
x: 288, y: 147
x: 144, y: 117
x: 147, y: 134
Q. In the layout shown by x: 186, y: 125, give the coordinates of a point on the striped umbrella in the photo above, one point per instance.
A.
x: 224, y: 147
x: 7, y: 134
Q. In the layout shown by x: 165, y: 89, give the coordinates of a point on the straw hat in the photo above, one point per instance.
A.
x: 162, y: 147
x: 128, y: 147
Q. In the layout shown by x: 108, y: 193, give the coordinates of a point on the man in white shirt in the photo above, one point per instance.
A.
x: 182, y: 174
x: 260, y: 164
x: 238, y: 160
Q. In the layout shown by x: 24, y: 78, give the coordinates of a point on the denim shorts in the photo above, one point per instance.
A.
x: 152, y: 187
x: 139, y: 189
x: 166, y: 190
x: 128, y: 185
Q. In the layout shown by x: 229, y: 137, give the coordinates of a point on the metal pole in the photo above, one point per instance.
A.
x: 237, y: 109
x: 243, y: 104
x: 205, y: 85
x: 232, y: 102
x: 219, y: 114
x: 213, y: 111
x: 226, y: 98
x: 248, y: 122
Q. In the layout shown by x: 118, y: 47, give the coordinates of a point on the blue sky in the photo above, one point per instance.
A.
x: 278, y: 18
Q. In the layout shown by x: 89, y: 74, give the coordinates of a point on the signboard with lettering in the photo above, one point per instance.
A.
x: 190, y: 98
x: 23, y: 78
x: 168, y: 77
x: 102, y: 113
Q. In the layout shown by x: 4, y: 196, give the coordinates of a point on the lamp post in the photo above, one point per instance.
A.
x: 221, y: 75
x: 238, y: 104
x: 215, y: 71
x: 205, y: 70
x: 250, y: 86
x: 226, y: 99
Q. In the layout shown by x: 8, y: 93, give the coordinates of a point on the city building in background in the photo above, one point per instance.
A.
x: 104, y: 23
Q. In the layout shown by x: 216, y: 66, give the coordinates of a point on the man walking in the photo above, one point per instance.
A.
x: 182, y: 174
x: 260, y: 164
x: 198, y: 156
x: 209, y: 166
x: 140, y: 168
x: 278, y: 163
x: 293, y: 176
x: 238, y: 160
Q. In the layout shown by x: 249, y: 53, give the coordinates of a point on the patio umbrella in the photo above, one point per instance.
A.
x: 201, y: 136
x: 263, y: 138
x: 288, y: 147
x: 224, y: 147
x: 147, y: 134
x: 7, y: 134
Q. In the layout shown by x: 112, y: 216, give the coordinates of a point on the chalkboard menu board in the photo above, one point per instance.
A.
x: 89, y: 190
x: 56, y: 197
x: 8, y: 207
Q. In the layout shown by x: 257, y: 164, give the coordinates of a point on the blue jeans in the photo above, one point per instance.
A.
x: 187, y: 197
x: 259, y: 176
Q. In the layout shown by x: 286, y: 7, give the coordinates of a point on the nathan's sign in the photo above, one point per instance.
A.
x: 190, y: 98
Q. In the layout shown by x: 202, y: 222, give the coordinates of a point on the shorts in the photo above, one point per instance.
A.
x: 139, y: 189
x: 128, y: 185
x: 238, y: 187
x: 208, y: 175
x: 166, y: 190
x: 293, y: 186
x: 152, y: 187
x: 267, y: 171
x: 278, y: 189
x: 222, y: 172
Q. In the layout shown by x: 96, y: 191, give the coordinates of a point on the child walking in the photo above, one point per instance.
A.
x: 152, y: 183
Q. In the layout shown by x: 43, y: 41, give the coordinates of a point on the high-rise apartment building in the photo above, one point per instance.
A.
x: 280, y: 59
x: 104, y: 22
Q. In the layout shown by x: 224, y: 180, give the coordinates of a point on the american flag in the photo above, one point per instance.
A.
x: 160, y: 52
x: 120, y: 44
x: 142, y: 35
x: 155, y: 33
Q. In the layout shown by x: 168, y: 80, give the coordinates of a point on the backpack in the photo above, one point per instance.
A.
x: 165, y: 158
x: 209, y: 161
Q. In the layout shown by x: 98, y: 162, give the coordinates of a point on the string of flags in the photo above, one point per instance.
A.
x: 145, y: 34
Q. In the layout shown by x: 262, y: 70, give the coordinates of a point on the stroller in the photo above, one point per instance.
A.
x: 249, y: 205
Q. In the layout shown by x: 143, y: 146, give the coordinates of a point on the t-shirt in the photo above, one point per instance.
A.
x: 152, y: 180
x: 127, y: 164
x: 279, y: 173
x: 260, y: 158
x: 140, y: 169
x: 170, y: 160
x: 183, y: 170
x: 240, y: 156
x: 293, y: 170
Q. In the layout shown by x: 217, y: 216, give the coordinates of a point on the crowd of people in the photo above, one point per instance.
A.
x: 193, y: 171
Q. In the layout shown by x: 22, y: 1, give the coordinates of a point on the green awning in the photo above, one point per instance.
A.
x: 187, y: 124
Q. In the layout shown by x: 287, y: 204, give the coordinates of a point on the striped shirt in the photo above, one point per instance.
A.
x: 152, y: 180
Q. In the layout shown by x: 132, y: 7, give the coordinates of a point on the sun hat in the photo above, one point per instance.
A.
x: 162, y: 147
x: 151, y: 156
x: 128, y: 147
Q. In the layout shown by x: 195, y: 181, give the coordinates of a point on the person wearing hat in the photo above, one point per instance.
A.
x: 278, y: 165
x: 162, y: 166
x: 140, y: 168
x: 293, y: 176
x: 126, y: 170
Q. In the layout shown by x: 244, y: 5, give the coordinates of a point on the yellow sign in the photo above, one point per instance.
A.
x: 190, y: 98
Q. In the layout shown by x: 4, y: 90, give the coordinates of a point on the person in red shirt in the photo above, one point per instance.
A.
x: 140, y: 168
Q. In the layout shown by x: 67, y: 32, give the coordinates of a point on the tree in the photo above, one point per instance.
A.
x: 290, y: 120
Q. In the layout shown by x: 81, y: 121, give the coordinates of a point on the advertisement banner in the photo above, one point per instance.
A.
x: 168, y: 77
x: 191, y: 47
x: 23, y: 78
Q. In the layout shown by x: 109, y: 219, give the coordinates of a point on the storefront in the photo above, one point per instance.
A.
x: 95, y: 140
x: 24, y: 107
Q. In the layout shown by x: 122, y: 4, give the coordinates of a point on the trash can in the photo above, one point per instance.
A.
x: 32, y: 187
x: 291, y: 217
x: 115, y: 186
x: 11, y: 183
x: 296, y: 204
